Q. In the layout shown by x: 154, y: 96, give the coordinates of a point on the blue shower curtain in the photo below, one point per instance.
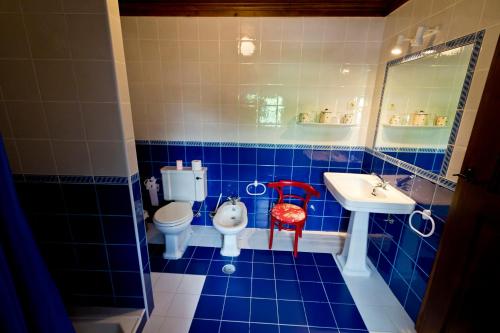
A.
x: 29, y: 300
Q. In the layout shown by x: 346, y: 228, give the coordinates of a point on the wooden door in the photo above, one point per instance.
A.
x: 464, y: 284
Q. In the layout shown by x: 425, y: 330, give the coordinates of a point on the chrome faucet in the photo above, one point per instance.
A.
x: 382, y: 184
x: 233, y: 200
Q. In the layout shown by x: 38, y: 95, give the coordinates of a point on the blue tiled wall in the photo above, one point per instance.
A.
x: 85, y: 229
x: 427, y: 160
x: 232, y: 167
x: 402, y: 257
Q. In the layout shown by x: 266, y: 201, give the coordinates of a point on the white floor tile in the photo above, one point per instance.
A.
x: 191, y: 284
x: 175, y: 325
x: 162, y: 300
x: 379, y: 308
x: 183, y: 306
x: 168, y: 282
x: 154, y: 324
x: 154, y: 277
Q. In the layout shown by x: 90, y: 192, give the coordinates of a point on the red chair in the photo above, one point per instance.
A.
x: 288, y: 216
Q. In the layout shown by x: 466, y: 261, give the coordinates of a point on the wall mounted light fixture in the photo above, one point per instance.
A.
x: 421, y: 34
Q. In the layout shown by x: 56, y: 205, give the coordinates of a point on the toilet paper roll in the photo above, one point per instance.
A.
x: 196, y: 165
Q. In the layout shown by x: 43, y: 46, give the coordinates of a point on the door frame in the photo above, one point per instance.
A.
x: 455, y: 262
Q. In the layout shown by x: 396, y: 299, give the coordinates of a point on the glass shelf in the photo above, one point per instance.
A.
x: 314, y: 124
x: 414, y: 126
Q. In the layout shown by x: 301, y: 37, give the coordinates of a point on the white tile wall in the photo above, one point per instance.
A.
x: 190, y: 80
x: 64, y: 102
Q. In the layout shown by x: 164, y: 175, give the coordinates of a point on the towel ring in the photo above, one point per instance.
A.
x: 256, y: 184
x: 426, y: 215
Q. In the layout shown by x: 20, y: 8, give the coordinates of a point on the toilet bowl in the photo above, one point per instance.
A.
x: 229, y: 220
x: 174, y: 222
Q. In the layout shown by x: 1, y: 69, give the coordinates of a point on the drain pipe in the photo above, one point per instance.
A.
x: 212, y: 213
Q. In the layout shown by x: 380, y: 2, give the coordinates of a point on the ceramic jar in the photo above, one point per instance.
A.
x: 420, y: 118
x: 440, y: 121
x: 304, y: 117
x: 346, y: 118
x: 395, y: 120
x: 325, y: 116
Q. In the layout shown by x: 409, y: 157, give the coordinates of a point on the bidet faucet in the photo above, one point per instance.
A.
x: 233, y: 200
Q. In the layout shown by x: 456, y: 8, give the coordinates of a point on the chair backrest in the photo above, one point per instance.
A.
x: 308, y: 189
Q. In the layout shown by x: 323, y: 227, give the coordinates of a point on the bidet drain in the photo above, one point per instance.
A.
x: 228, y: 269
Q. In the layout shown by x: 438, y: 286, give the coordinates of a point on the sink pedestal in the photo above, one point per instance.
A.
x: 353, y: 257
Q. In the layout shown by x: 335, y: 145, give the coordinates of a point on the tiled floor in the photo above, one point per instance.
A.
x: 269, y: 292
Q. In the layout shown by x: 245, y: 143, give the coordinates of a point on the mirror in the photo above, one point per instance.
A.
x: 422, y: 103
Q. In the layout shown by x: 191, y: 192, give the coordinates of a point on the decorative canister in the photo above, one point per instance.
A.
x: 440, y: 121
x: 325, y: 116
x: 346, y: 118
x: 304, y: 117
x: 395, y: 120
x: 420, y: 118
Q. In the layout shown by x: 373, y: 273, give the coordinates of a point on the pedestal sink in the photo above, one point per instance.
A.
x: 359, y: 194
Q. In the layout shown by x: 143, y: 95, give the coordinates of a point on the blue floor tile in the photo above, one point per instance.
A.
x: 293, y: 329
x: 215, y: 285
x: 243, y: 269
x: 319, y: 314
x: 330, y: 274
x: 239, y: 287
x: 285, y: 272
x: 307, y: 273
x: 313, y: 291
x: 245, y: 255
x: 209, y: 307
x: 204, y: 326
x: 203, y: 252
x: 283, y: 257
x: 338, y: 293
x: 198, y: 266
x: 233, y: 327
x: 264, y: 311
x: 176, y: 266
x: 263, y: 271
x: 189, y: 252
x: 158, y: 264
x: 303, y: 287
x: 263, y: 256
x: 237, y: 309
x: 324, y: 259
x: 325, y: 330
x: 263, y: 288
x: 263, y: 328
x: 291, y: 312
x: 304, y: 258
x: 348, y: 316
x: 218, y: 256
x: 288, y: 290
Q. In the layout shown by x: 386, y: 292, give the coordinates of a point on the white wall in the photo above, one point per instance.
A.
x: 189, y: 81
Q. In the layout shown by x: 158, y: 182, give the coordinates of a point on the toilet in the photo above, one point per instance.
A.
x: 174, y: 219
x: 229, y: 220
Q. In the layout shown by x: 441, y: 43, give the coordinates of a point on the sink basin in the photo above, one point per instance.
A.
x: 355, y: 192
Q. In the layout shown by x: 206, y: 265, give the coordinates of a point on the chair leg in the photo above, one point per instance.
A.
x: 296, y: 241
x: 271, y: 234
